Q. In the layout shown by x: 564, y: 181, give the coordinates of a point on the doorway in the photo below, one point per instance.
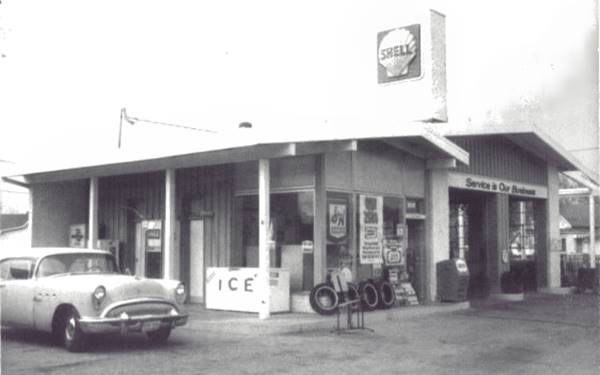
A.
x: 197, y: 261
x: 468, y: 239
x: 415, y: 252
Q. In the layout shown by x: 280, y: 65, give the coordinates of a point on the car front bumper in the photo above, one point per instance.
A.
x: 135, y: 323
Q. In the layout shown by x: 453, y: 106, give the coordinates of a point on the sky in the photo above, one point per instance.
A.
x: 67, y: 68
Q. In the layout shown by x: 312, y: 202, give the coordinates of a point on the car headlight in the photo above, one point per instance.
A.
x: 180, y: 293
x: 98, y: 296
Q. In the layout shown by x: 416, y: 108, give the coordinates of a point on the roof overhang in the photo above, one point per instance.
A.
x: 246, y: 145
x: 532, y: 139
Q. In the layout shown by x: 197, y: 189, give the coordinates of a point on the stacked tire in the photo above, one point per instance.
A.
x: 324, y: 299
x: 374, y: 294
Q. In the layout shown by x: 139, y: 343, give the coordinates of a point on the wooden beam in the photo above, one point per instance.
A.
x: 306, y: 148
x: 446, y: 163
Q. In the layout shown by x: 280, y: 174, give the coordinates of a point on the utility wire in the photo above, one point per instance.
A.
x: 129, y: 118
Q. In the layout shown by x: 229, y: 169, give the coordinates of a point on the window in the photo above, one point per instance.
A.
x: 522, y: 230
x: 291, y: 239
x: 16, y: 269
x: 76, y: 263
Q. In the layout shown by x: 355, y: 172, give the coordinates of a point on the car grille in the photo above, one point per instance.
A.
x: 142, y: 308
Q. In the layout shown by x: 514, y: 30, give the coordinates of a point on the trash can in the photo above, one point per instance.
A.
x: 452, y: 280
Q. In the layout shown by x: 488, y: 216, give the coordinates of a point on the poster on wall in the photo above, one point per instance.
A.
x: 77, y: 235
x: 337, y: 220
x: 371, y: 229
x: 393, y: 252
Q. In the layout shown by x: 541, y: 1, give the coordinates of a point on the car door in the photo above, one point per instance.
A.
x: 18, y: 289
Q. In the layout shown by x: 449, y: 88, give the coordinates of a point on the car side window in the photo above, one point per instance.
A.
x: 16, y: 269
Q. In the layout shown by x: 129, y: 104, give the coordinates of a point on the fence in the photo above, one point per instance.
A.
x: 569, y: 264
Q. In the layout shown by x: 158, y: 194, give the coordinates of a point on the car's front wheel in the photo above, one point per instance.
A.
x: 72, y: 336
x: 159, y: 336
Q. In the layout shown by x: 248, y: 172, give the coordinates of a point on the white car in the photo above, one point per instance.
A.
x: 75, y: 292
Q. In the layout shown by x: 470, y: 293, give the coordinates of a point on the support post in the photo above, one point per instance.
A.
x: 93, y: 213
x: 169, y: 244
x: 592, y: 232
x: 264, y: 221
x: 437, y: 231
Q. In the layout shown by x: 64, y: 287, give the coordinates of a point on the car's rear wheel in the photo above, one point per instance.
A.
x: 159, y: 336
x: 73, y: 337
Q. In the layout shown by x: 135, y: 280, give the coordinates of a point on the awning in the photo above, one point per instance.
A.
x: 252, y: 144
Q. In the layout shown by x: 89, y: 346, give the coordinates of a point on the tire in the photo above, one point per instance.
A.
x: 73, y: 338
x: 387, y: 295
x: 369, y: 295
x: 323, y: 299
x: 353, y: 293
x: 160, y: 336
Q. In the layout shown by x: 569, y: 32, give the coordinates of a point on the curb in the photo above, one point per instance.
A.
x: 298, y: 323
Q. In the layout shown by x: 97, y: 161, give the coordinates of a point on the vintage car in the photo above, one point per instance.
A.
x: 72, y: 292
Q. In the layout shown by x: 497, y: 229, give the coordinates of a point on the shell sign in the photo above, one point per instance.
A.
x: 399, y: 54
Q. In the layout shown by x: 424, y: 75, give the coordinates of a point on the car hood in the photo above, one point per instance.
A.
x: 118, y: 287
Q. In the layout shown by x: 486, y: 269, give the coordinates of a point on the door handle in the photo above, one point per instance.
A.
x: 37, y: 297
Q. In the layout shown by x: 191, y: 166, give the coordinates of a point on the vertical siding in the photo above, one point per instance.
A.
x: 124, y: 200
x: 495, y: 156
x: 213, y: 188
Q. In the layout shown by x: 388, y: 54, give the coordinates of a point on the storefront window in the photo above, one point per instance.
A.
x: 522, y: 230
x: 291, y: 228
x: 459, y: 231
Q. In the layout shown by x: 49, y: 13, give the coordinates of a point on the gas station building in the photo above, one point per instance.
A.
x: 279, y: 209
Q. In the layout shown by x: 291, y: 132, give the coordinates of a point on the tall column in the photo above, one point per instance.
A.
x: 497, y: 233
x: 170, y: 223
x: 264, y: 221
x: 437, y: 232
x: 553, y: 231
x: 320, y: 224
x: 93, y: 213
x: 592, y: 232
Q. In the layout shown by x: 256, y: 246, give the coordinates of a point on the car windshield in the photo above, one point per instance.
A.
x: 76, y: 263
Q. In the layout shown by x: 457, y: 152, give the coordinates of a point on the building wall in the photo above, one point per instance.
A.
x: 377, y: 168
x: 206, y: 193
x: 498, y: 157
x: 125, y: 200
x: 55, y: 207
x: 286, y: 173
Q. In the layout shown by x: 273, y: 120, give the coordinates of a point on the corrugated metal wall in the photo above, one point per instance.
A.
x: 207, y: 192
x: 125, y: 200
x: 498, y: 157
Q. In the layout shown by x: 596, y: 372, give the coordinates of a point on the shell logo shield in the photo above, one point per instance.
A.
x: 399, y: 54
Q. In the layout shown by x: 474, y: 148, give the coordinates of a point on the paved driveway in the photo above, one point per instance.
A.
x: 543, y: 335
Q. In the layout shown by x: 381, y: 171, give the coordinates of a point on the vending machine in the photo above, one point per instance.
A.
x: 149, y: 245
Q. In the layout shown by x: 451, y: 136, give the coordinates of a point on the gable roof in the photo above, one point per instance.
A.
x: 577, y: 214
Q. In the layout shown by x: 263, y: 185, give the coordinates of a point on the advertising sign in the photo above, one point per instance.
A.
x: 393, y: 252
x: 236, y: 289
x: 371, y: 229
x: 399, y: 54
x: 495, y: 185
x: 77, y: 235
x: 337, y: 219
